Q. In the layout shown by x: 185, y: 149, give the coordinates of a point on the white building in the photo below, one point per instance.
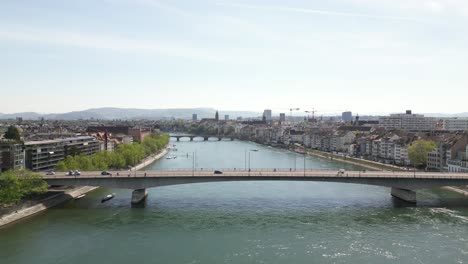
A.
x: 455, y: 124
x: 408, y: 121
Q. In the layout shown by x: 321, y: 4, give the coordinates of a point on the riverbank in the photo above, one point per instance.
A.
x: 21, y: 212
x: 29, y: 209
x: 372, y: 165
x: 152, y: 158
x: 459, y: 190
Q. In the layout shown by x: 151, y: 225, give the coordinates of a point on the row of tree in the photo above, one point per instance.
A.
x: 123, y: 156
x: 16, y: 185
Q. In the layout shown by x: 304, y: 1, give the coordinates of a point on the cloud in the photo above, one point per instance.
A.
x: 320, y: 12
x: 109, y: 43
x: 435, y: 7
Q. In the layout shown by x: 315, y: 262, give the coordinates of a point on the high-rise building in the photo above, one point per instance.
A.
x: 267, y: 115
x: 347, y: 116
x: 282, y: 117
x: 217, y: 116
x: 226, y: 117
x: 194, y: 117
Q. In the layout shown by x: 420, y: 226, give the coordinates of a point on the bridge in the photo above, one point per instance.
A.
x: 205, y: 137
x: 403, y: 184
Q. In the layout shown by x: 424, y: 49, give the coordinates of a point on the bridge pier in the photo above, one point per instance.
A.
x: 191, y: 138
x: 205, y: 138
x: 178, y: 138
x: 139, y: 195
x: 403, y: 194
x: 219, y: 138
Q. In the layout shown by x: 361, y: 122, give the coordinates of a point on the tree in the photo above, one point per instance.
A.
x: 10, y: 191
x: 12, y: 133
x: 30, y: 183
x: 14, y: 185
x: 418, y: 150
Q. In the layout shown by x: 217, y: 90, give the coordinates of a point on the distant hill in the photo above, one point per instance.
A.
x: 110, y: 113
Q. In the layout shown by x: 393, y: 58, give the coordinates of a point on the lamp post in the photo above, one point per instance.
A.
x: 255, y: 150
x: 193, y: 163
x: 305, y: 162
x: 50, y: 153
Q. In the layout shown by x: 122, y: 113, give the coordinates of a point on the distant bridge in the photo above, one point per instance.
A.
x: 403, y: 184
x: 205, y: 137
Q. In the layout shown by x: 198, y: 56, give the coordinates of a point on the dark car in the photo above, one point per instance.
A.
x: 106, y: 173
x: 218, y: 172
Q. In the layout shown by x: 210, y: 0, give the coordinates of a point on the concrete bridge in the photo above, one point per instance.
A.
x: 205, y: 137
x: 403, y: 184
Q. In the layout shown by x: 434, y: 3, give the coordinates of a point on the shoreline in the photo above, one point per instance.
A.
x: 59, y: 198
x: 44, y: 204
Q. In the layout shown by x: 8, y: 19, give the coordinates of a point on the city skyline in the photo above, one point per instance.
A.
x: 355, y: 55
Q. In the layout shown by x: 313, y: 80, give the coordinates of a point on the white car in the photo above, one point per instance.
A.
x: 77, y: 173
x: 50, y: 173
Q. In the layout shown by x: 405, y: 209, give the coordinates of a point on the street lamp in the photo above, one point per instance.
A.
x: 251, y: 150
x: 50, y: 153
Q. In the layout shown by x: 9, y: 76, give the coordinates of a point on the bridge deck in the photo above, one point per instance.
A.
x: 269, y: 174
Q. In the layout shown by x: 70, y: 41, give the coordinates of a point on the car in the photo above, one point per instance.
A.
x: 77, y: 173
x: 341, y: 171
x: 217, y: 172
x: 70, y: 173
x: 106, y: 173
x: 50, y: 173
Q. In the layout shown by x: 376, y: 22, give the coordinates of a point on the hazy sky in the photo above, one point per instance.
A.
x: 367, y: 56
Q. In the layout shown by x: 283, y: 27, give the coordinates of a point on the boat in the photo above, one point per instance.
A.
x: 171, y: 157
x: 80, y: 196
x: 107, y: 198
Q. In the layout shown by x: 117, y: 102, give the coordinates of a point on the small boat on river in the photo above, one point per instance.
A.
x: 107, y: 198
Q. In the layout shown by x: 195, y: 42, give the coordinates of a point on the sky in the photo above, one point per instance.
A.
x: 365, y: 56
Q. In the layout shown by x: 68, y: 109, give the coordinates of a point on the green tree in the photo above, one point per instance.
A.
x: 61, y: 166
x: 12, y: 133
x: 14, y: 185
x: 418, y: 150
x: 30, y: 183
x: 10, y: 191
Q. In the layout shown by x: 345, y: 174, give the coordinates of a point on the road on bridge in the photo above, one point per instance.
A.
x: 269, y: 173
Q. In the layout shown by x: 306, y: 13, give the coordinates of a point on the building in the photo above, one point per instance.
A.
x: 11, y: 155
x: 139, y: 133
x: 408, y: 121
x: 267, y: 115
x: 86, y: 145
x: 282, y: 117
x: 455, y: 124
x: 194, y: 117
x: 347, y: 117
x: 226, y: 117
x: 45, y: 154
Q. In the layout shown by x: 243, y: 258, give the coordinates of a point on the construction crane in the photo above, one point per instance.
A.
x: 313, y: 114
x: 290, y: 113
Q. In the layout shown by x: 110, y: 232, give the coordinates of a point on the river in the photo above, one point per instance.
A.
x: 245, y: 222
